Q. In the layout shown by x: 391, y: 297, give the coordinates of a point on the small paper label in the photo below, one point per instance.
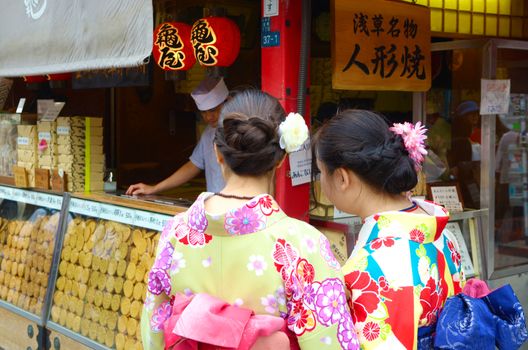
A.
x: 271, y: 8
x: 44, y: 136
x: 63, y: 130
x: 22, y: 141
x: 495, y: 96
x: 301, y: 165
x: 21, y: 104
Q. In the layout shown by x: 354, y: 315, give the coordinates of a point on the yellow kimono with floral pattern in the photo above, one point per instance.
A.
x: 257, y: 257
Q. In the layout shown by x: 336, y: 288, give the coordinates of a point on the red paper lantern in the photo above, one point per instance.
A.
x: 172, y: 46
x: 33, y: 79
x: 216, y: 41
x: 60, y: 76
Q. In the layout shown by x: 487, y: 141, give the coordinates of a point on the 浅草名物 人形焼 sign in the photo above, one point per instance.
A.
x: 381, y: 45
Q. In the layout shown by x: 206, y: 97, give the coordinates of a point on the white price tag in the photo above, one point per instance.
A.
x: 150, y: 220
x: 301, y: 165
x: 22, y: 141
x: 21, y: 104
x: 63, y: 130
x: 45, y: 135
x: 84, y: 207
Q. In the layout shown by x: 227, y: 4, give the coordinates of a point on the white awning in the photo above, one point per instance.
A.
x: 55, y: 36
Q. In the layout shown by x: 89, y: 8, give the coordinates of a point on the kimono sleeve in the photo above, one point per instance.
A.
x: 157, y: 307
x: 318, y: 313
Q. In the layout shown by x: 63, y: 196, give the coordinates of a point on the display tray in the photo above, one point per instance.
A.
x: 101, y: 280
x: 29, y: 226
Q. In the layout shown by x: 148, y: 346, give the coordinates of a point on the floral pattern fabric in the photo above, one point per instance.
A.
x: 401, y: 271
x: 256, y: 257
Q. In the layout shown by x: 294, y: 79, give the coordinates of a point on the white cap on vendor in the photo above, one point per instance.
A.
x: 210, y: 93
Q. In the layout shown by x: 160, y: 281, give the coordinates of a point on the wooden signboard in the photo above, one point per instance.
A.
x: 20, y: 175
x: 381, y: 45
x: 42, y: 178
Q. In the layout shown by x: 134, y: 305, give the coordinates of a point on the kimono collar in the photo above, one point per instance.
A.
x: 418, y: 227
x: 253, y: 216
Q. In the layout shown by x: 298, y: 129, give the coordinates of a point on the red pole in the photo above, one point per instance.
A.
x: 281, y: 40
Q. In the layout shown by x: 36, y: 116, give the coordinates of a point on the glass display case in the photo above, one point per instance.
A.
x: 30, y: 223
x: 99, y: 286
x: 74, y: 269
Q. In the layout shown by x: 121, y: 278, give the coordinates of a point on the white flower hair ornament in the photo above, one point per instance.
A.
x: 414, y: 140
x: 293, y: 132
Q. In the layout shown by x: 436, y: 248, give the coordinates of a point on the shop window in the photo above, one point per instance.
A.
x: 511, y: 210
x: 495, y: 18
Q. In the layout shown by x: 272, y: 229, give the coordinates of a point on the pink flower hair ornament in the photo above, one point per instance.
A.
x: 414, y: 140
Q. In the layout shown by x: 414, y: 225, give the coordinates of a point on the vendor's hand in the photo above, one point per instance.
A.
x: 140, y: 188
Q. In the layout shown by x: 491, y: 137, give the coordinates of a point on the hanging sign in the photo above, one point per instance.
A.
x: 381, y: 45
x: 216, y: 41
x: 172, y: 46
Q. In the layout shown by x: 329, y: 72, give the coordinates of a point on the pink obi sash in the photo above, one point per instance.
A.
x: 203, y: 322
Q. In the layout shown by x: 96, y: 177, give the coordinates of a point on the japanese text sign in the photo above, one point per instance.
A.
x: 381, y: 45
x: 495, y: 96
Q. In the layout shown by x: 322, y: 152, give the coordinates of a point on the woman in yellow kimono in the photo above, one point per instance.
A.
x: 404, y: 264
x: 239, y: 246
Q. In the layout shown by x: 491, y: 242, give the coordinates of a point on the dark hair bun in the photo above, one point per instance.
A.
x: 361, y: 141
x: 247, y: 135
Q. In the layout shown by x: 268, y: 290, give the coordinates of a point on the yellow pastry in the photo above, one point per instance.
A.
x: 110, y: 281
x: 129, y: 343
x: 85, y: 274
x: 125, y: 306
x: 104, y: 266
x: 98, y: 300
x: 120, y: 341
x: 85, y: 327
x: 96, y: 261
x: 112, y: 320
x: 74, y: 256
x: 134, y: 255
x: 112, y: 267
x: 93, y: 331
x: 68, y: 286
x: 109, y: 338
x: 121, y: 268
x: 94, y: 279
x: 101, y: 334
x: 87, y: 261
x: 107, y: 300
x: 82, y: 291
x: 63, y: 317
x: 76, y: 324
x: 122, y: 324
x: 128, y: 288
x: 131, y: 271
x: 101, y: 283
x: 55, y: 313
x: 78, y: 272
x: 70, y: 273
x: 58, y: 298
x: 135, y: 309
x: 138, y: 291
x: 131, y: 326
x: 75, y: 288
x: 79, y: 307
x: 118, y: 285
x: 90, y: 295
x: 122, y: 250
